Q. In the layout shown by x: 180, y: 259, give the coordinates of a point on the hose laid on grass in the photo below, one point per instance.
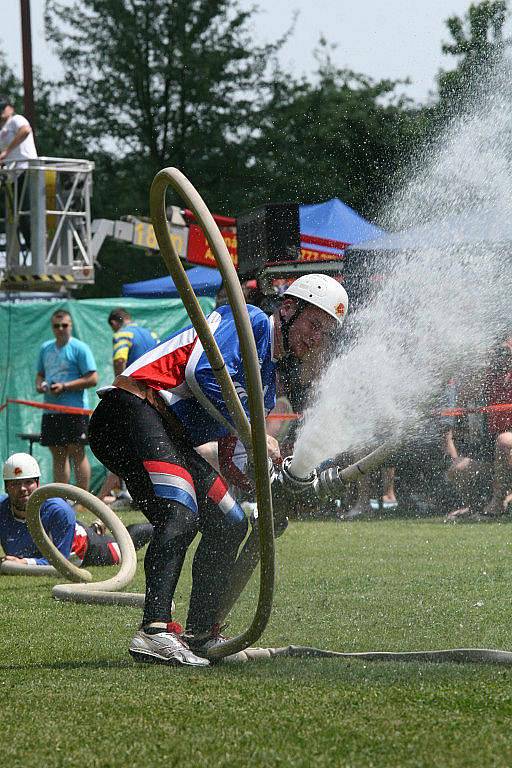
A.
x: 100, y: 592
x: 12, y: 568
x: 458, y: 655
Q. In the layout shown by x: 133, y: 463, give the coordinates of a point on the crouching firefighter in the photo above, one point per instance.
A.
x: 146, y: 429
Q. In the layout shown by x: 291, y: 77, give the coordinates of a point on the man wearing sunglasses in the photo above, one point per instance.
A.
x: 65, y: 370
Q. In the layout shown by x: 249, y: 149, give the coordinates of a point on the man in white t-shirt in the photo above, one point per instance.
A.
x: 16, y: 148
x: 16, y: 137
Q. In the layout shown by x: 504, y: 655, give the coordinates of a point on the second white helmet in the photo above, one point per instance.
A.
x: 322, y: 291
x: 20, y: 466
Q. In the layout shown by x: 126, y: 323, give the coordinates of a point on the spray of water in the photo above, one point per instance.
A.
x: 441, y: 308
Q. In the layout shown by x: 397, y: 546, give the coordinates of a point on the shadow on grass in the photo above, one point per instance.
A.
x: 105, y: 664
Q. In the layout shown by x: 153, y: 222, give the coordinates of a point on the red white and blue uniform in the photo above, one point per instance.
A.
x: 152, y: 447
x: 179, y: 370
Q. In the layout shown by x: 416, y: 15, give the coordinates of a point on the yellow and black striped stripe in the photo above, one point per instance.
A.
x: 52, y: 278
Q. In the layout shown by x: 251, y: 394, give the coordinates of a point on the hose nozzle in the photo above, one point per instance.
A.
x: 318, y: 486
x: 329, y: 483
x: 292, y: 484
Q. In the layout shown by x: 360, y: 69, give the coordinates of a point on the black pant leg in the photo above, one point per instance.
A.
x: 223, y: 527
x: 124, y: 432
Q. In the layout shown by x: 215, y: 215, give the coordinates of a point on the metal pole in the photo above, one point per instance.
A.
x: 28, y: 84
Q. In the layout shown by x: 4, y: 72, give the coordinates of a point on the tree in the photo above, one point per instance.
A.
x: 10, y: 85
x: 342, y: 135
x: 160, y: 82
x: 478, y: 41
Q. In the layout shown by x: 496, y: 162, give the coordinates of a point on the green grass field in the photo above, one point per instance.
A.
x: 71, y: 696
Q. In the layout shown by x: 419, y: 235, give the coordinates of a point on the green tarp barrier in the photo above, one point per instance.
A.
x: 24, y: 326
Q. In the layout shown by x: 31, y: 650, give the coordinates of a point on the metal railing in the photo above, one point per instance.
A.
x: 45, y: 210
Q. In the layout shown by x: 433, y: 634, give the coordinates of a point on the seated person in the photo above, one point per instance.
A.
x: 85, y: 545
x: 419, y: 466
x: 481, y: 463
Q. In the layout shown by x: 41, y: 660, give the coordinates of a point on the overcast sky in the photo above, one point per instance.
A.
x: 381, y: 38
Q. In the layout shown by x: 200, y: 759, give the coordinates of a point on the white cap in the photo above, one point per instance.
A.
x: 324, y: 292
x: 20, y: 466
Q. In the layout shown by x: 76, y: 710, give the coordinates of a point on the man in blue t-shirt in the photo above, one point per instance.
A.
x: 130, y: 340
x: 65, y: 369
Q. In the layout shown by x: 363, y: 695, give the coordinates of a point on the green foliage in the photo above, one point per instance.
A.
x: 347, y: 586
x: 341, y: 135
x: 158, y: 82
x: 477, y: 41
x: 182, y: 83
x: 10, y: 85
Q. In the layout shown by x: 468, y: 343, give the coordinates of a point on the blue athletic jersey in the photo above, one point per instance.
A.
x: 179, y: 370
x: 67, y: 363
x: 58, y: 520
x: 131, y: 341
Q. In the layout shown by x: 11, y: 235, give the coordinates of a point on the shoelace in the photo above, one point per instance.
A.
x: 175, y: 628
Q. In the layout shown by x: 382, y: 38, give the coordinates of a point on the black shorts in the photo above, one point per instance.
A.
x: 64, y: 429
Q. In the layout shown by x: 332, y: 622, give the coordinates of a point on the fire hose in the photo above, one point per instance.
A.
x: 320, y: 485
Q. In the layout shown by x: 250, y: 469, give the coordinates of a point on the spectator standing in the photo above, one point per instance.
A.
x: 130, y: 340
x: 65, y: 369
x: 16, y: 146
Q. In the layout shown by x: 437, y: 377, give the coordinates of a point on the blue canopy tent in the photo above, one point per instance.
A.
x: 473, y: 227
x: 204, y: 280
x: 336, y: 222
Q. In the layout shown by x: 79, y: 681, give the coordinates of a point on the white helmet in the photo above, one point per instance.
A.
x: 324, y: 292
x: 20, y: 466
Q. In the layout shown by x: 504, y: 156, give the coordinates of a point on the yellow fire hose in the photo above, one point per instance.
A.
x: 84, y: 590
x: 253, y: 436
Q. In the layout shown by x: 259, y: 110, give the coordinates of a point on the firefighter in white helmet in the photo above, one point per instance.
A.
x: 86, y: 545
x: 302, y: 314
x: 146, y: 429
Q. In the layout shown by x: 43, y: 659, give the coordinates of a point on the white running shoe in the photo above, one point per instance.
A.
x: 164, y: 648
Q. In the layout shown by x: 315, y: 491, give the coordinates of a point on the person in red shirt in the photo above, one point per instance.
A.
x: 491, y: 460
x: 497, y: 390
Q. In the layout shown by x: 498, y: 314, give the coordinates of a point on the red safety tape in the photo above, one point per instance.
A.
x: 496, y: 408
x: 49, y: 407
x: 283, y: 416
